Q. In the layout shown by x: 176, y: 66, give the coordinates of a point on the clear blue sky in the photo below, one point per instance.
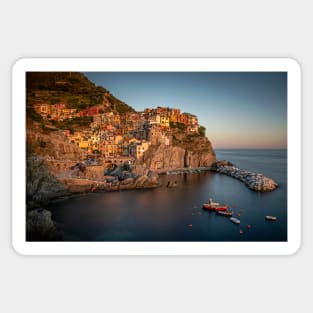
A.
x: 238, y: 109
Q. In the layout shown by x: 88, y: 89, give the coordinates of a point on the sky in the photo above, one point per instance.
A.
x: 238, y: 109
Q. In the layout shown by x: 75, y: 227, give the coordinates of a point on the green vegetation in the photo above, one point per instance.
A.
x: 202, y: 130
x: 72, y: 88
x: 180, y: 126
x: 118, y: 105
x: 30, y: 113
x: 71, y: 124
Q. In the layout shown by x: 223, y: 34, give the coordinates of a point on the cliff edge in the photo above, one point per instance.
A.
x: 186, y: 151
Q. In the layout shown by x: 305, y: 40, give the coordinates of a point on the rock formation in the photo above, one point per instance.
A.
x: 41, y: 186
x: 187, y: 151
x: 254, y: 181
x: 41, y: 227
x: 58, y: 153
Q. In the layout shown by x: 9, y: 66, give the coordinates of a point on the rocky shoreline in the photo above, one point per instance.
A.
x: 254, y: 181
x: 40, y: 225
x: 191, y: 170
x: 150, y: 179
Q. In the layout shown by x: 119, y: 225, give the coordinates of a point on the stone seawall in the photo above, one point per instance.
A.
x: 254, y: 181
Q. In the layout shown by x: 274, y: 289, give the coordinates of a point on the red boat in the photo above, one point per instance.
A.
x: 222, y: 208
x: 214, y: 208
x: 225, y: 213
x: 208, y: 207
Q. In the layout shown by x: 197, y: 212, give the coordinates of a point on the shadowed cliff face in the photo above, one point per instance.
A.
x: 186, y: 151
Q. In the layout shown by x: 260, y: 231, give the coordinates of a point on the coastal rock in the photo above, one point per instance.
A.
x: 255, y: 181
x: 41, y: 186
x: 141, y: 181
x: 168, y: 158
x: 187, y: 151
x: 78, y: 185
x: 41, y: 227
x: 127, y: 181
x: 199, y: 158
x: 160, y: 157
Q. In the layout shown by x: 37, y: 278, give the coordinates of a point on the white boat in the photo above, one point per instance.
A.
x: 270, y: 218
x: 235, y: 220
x: 213, y: 204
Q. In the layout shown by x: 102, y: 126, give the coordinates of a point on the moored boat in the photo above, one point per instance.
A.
x: 214, y: 206
x: 207, y: 206
x: 225, y: 213
x: 270, y: 218
x: 221, y: 208
x: 235, y: 220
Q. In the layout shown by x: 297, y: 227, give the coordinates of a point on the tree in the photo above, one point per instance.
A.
x: 202, y: 130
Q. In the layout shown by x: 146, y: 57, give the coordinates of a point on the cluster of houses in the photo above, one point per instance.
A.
x: 122, y: 135
x: 59, y: 111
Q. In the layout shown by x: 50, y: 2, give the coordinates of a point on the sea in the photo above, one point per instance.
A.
x: 176, y: 214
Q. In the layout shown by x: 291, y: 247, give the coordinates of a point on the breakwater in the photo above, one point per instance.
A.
x: 254, y: 181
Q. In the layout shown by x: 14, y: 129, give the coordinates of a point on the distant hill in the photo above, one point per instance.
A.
x: 72, y: 88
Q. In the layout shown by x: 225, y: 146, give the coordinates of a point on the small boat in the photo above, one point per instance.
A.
x: 270, y: 218
x: 240, y: 231
x: 189, y: 225
x: 207, y: 206
x: 222, y: 208
x: 248, y: 226
x: 214, y: 206
x: 234, y: 220
x: 225, y: 213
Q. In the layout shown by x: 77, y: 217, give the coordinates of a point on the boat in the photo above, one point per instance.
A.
x: 234, y: 220
x: 225, y: 213
x: 214, y: 206
x: 221, y: 208
x: 270, y: 218
x: 207, y: 206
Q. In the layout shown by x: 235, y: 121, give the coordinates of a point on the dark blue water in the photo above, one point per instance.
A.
x: 163, y: 214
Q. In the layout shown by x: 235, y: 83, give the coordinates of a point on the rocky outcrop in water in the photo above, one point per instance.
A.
x: 41, y: 186
x: 255, y: 181
x: 41, y: 227
x: 100, y: 178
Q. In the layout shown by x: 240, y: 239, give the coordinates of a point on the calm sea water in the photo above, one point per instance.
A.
x: 163, y: 214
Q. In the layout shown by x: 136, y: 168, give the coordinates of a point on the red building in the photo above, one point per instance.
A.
x: 89, y: 111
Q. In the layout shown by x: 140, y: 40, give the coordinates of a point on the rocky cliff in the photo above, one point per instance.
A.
x: 186, y: 151
x: 58, y: 153
x: 41, y: 186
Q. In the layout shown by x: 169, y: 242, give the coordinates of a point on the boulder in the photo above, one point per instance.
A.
x: 41, y: 227
x: 141, y: 180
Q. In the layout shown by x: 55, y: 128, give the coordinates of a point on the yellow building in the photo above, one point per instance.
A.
x: 84, y: 144
x: 118, y: 139
x: 165, y: 121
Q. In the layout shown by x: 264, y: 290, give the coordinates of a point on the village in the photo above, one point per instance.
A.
x: 120, y: 135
